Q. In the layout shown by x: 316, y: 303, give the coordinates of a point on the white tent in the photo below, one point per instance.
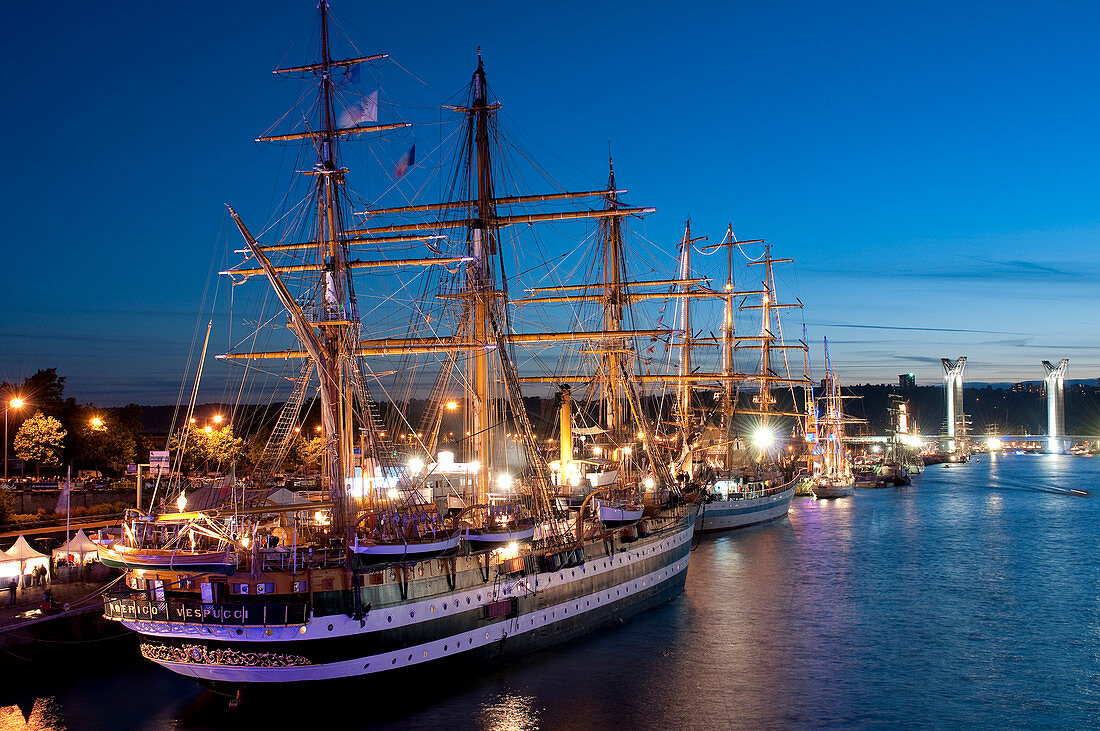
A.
x: 80, y: 547
x: 21, y: 559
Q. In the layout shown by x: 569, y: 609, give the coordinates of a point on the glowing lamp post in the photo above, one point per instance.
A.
x: 15, y: 403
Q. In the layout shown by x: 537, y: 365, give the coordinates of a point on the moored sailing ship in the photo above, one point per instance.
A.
x: 398, y: 565
x: 832, y: 476
x: 748, y: 486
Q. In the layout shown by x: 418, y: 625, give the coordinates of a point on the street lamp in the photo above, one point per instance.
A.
x: 15, y: 403
x: 217, y: 418
x: 97, y: 423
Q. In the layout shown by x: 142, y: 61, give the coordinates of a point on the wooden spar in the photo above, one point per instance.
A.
x: 333, y: 133
x: 765, y: 261
x: 499, y: 221
x: 770, y: 306
x: 724, y: 243
x: 770, y: 347
x: 498, y: 201
x: 672, y: 377
x: 631, y: 297
x: 355, y: 241
x: 353, y: 264
x: 331, y: 64
x: 394, y: 346
x: 517, y: 338
x: 652, y: 283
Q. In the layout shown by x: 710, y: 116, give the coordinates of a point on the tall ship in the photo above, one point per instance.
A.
x: 421, y: 546
x: 832, y: 477
x: 735, y: 453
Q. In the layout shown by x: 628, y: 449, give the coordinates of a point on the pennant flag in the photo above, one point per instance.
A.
x: 364, y: 110
x: 407, y: 161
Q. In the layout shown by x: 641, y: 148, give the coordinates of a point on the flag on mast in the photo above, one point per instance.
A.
x: 405, y: 162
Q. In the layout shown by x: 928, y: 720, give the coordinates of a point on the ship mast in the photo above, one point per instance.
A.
x: 336, y: 387
x: 479, y: 283
x: 612, y: 358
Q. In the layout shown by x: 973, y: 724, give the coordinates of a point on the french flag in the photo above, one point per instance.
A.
x: 407, y: 161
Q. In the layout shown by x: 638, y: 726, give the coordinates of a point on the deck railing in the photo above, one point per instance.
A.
x: 243, y: 614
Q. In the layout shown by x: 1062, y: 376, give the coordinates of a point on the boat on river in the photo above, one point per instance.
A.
x: 832, y: 476
x: 375, y: 574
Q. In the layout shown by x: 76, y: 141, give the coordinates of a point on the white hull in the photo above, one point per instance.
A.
x: 611, y: 599
x: 833, y: 490
x: 741, y: 512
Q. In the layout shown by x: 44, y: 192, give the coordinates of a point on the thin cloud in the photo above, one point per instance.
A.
x: 901, y: 327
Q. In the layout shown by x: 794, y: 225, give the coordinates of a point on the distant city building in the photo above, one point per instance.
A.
x: 907, y: 380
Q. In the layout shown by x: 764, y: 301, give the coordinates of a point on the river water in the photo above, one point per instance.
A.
x: 971, y: 598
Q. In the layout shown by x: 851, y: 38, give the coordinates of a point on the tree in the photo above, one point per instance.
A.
x: 207, y: 448
x: 40, y: 440
x: 46, y: 391
x: 102, y: 441
x: 7, y: 506
x: 309, y: 452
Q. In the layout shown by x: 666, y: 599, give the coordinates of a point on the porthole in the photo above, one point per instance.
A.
x: 467, y: 600
x: 425, y: 653
x: 444, y: 648
x: 302, y: 630
x: 486, y: 635
x: 412, y: 613
x: 330, y: 628
x: 393, y: 662
x: 432, y: 609
x: 268, y: 632
x: 410, y: 657
x: 241, y: 632
x: 389, y: 618
x: 479, y: 597
x: 366, y: 666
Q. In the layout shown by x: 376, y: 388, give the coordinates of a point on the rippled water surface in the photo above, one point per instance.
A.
x: 971, y: 598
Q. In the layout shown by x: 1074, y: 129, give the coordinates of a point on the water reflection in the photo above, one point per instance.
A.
x: 962, y: 600
x: 511, y: 712
x: 40, y: 714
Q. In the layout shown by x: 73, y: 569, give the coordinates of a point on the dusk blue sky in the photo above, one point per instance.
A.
x: 932, y: 167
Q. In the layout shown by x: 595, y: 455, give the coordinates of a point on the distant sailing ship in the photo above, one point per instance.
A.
x: 414, y: 555
x: 832, y: 476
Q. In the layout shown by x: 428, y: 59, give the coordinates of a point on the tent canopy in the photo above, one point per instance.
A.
x: 80, y: 547
x: 22, y: 550
x: 21, y: 559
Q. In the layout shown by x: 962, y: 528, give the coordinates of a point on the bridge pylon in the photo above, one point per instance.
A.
x: 956, y: 417
x: 1055, y: 386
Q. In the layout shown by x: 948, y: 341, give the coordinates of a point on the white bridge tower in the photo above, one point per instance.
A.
x: 1056, y: 405
x: 956, y: 417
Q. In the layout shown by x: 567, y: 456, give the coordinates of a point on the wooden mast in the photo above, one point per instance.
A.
x: 480, y: 284
x: 613, y: 302
x: 333, y: 290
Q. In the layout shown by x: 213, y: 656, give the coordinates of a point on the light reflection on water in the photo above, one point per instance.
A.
x: 40, y: 714
x: 511, y: 712
x: 967, y: 599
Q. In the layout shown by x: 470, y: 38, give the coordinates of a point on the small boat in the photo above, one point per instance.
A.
x: 832, y: 487
x: 396, y: 537
x: 151, y: 559
x: 617, y: 513
x: 487, y: 527
x: 398, y: 551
